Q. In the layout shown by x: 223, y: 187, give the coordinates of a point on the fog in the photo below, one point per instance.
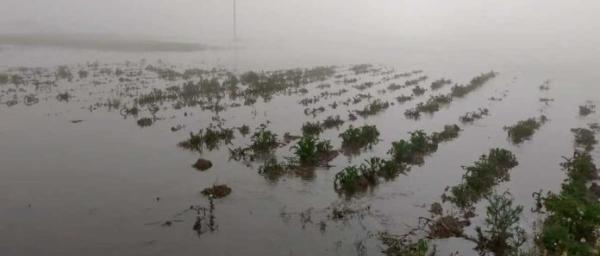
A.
x: 526, y: 23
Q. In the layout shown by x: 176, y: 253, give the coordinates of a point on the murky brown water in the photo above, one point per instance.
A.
x: 105, y: 186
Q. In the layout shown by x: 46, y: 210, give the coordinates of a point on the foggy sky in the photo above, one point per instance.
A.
x: 573, y: 23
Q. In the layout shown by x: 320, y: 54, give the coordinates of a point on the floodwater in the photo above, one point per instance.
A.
x: 106, y: 186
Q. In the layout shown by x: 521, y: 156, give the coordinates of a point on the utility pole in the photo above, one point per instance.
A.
x: 234, y: 22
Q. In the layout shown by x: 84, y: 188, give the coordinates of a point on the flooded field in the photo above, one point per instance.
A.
x: 254, y: 152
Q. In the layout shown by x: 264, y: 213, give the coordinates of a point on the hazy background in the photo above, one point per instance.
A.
x: 556, y: 22
x: 534, y: 32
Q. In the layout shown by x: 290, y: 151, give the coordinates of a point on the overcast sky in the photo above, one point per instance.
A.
x: 559, y: 21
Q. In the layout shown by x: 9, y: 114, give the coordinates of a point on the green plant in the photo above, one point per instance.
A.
x: 523, y: 130
x: 585, y: 138
x: 502, y: 234
x: 360, y: 137
x: 332, y: 122
x: 210, y: 138
x: 402, y: 246
x: 573, y: 216
x: 349, y: 180
x: 264, y: 141
x: 450, y: 132
x: 309, y: 128
x: 437, y: 84
x: 462, y: 90
x: 272, y: 169
x: 373, y: 108
x: 480, y: 178
x: 145, y: 122
x: 587, y: 109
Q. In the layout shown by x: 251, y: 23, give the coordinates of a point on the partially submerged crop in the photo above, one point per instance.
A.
x: 209, y: 138
x: 264, y: 141
x: 585, y: 138
x: 64, y: 96
x: 358, y: 178
x: 415, y: 81
x: 502, y: 234
x: 403, y: 98
x: 403, y: 246
x: 420, y: 144
x: 473, y: 116
x: 480, y: 178
x: 272, y: 169
x: 145, y: 122
x: 312, y: 129
x: 360, y: 137
x: 432, y: 105
x: 312, y: 151
x: 437, y: 84
x: 523, y: 130
x: 373, y: 108
x: 587, y: 109
x: 573, y: 216
x: 476, y: 82
x: 413, y: 150
x: 332, y: 122
x: 418, y: 90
